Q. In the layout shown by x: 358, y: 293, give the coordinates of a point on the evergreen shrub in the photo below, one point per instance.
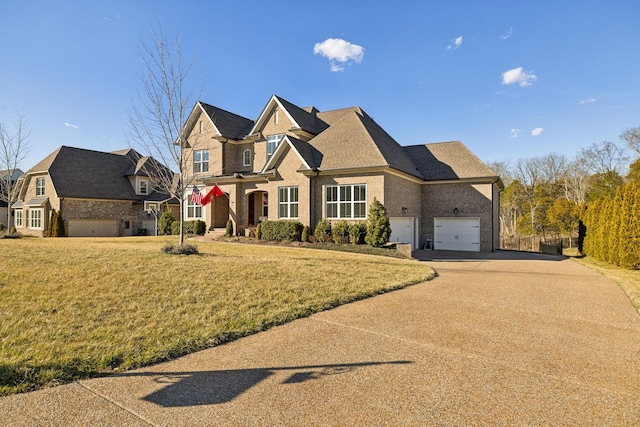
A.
x: 323, y: 230
x: 281, y: 230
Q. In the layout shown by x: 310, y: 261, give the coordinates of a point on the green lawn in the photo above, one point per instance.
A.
x: 76, y: 308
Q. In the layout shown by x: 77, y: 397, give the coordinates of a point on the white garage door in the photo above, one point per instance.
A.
x: 92, y: 228
x: 457, y: 234
x: 402, y: 230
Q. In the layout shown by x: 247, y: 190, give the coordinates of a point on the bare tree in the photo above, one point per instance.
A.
x: 576, y: 182
x: 552, y: 167
x: 159, y: 115
x: 14, y: 147
x: 632, y: 138
x: 603, y: 157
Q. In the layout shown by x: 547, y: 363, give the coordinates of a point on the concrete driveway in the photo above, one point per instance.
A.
x: 495, y: 339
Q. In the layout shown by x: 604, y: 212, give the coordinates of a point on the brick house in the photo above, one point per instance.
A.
x: 97, y: 193
x: 303, y: 164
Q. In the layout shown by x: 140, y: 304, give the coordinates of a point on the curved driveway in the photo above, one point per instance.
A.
x: 495, y: 339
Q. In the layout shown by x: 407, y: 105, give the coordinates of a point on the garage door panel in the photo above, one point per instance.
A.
x: 402, y: 230
x: 92, y: 228
x: 457, y: 234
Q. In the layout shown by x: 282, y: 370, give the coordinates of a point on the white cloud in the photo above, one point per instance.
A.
x: 515, y: 133
x: 586, y: 101
x: 340, y: 53
x: 518, y: 75
x: 507, y: 34
x: 536, y: 131
x: 455, y: 43
x: 70, y: 125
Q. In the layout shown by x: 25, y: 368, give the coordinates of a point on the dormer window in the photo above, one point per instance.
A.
x: 144, y: 186
x: 40, y: 186
x: 246, y: 156
x: 272, y: 143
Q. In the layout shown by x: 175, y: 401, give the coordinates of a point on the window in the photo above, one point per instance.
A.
x: 144, y: 186
x: 35, y: 218
x: 247, y: 157
x: 40, y: 186
x: 18, y: 218
x: 346, y: 201
x: 288, y: 202
x: 265, y: 205
x: 272, y: 143
x: 200, y: 161
x: 194, y: 211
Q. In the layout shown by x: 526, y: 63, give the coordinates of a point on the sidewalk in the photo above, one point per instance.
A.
x: 497, y: 340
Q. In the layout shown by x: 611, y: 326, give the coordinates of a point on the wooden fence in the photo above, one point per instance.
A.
x: 537, y: 243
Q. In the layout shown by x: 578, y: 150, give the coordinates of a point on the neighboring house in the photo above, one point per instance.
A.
x: 303, y: 164
x: 12, y: 177
x: 97, y: 193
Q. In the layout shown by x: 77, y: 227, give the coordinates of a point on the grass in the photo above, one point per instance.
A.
x: 77, y: 308
x: 628, y: 280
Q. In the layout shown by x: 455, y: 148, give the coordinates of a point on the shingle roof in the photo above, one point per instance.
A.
x: 230, y: 125
x: 447, y: 161
x: 77, y: 172
x: 307, y: 120
x: 354, y: 140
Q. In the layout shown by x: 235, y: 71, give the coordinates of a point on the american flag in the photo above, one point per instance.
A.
x: 196, y: 196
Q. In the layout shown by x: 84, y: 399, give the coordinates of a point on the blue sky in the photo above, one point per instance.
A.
x: 510, y: 79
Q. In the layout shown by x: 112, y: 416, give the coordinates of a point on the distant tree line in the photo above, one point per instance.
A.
x: 550, y: 196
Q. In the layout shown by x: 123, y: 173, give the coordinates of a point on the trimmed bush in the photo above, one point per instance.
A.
x: 281, y: 230
x: 229, y: 229
x: 2, y: 226
x: 357, y: 233
x: 165, y: 224
x: 378, y: 227
x: 305, y: 233
x: 259, y: 231
x: 340, y: 231
x: 175, y: 228
x: 323, y: 230
x: 194, y: 227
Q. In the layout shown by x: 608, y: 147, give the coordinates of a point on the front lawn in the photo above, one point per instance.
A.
x: 76, y: 308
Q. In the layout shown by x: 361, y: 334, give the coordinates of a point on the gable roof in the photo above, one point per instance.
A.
x: 305, y: 119
x: 309, y: 155
x: 228, y: 124
x: 77, y: 172
x: 448, y: 161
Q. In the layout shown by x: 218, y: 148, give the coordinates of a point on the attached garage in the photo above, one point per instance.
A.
x: 457, y: 234
x: 92, y: 228
x: 403, y: 230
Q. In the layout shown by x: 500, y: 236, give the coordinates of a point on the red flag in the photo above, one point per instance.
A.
x: 196, y: 196
x: 211, y: 195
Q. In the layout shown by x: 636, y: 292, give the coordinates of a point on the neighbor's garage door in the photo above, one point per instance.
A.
x: 457, y: 234
x: 92, y: 228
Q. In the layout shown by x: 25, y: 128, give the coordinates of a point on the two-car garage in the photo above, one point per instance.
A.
x: 457, y: 234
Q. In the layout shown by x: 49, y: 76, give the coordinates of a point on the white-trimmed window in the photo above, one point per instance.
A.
x: 346, y: 201
x: 288, y: 202
x: 40, y: 186
x: 35, y: 218
x: 194, y: 211
x: 18, y: 218
x: 265, y: 204
x: 246, y: 157
x: 272, y: 143
x: 143, y: 186
x: 200, y: 161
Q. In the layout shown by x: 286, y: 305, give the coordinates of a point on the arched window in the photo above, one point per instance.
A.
x: 247, y: 157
